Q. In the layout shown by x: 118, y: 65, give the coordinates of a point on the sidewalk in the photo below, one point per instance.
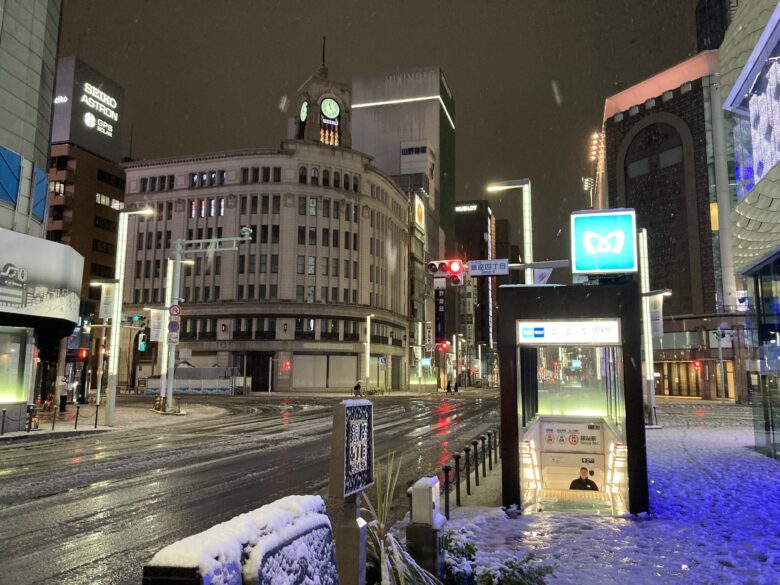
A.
x: 129, y: 415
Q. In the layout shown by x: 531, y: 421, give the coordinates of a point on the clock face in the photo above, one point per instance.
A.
x: 330, y: 109
x: 304, y: 111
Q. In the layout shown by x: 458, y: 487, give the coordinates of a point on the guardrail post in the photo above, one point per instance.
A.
x: 76, y: 425
x: 2, y: 428
x: 97, y: 409
x: 475, y: 444
x: 490, y: 450
x: 467, y: 450
x: 483, y: 438
x: 456, y: 457
x: 446, y: 469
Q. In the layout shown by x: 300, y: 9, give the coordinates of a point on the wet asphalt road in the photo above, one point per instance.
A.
x: 94, y: 509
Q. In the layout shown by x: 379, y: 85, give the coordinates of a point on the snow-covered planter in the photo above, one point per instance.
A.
x: 287, y: 541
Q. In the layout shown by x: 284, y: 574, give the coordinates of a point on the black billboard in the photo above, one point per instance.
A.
x: 88, y: 109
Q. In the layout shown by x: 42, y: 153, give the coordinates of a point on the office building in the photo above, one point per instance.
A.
x: 667, y: 147
x: 406, y: 121
x: 329, y: 249
x: 750, y: 85
x: 40, y: 280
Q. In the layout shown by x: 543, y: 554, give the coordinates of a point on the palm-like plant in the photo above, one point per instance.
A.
x: 388, y: 561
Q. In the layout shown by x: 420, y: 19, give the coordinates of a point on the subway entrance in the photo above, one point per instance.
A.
x: 571, y: 399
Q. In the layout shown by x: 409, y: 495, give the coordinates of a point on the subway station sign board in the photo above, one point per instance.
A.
x: 603, y: 242
x: 598, y: 332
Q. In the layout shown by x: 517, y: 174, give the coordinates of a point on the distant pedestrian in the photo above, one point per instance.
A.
x: 449, y: 387
x: 357, y: 389
x: 456, y: 386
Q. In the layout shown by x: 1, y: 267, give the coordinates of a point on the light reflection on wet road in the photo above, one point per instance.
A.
x: 94, y: 509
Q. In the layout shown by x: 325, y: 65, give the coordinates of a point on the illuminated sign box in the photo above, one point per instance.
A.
x: 603, y: 242
x: 593, y: 332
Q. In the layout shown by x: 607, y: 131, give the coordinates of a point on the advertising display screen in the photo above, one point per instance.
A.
x: 604, y: 242
x: 88, y: 109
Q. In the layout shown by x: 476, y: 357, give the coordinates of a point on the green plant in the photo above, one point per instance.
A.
x: 459, y: 558
x: 516, y: 572
x: 387, y: 559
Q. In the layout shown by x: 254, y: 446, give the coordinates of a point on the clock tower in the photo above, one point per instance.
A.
x: 323, y: 111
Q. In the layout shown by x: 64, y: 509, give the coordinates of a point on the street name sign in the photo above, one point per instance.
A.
x: 488, y: 267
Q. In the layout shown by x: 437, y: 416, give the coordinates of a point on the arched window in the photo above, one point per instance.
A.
x: 315, y: 176
x: 302, y: 175
x: 326, y: 178
x: 346, y: 181
x: 355, y: 184
x: 336, y: 180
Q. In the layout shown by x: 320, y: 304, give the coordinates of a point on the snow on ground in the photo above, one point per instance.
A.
x: 715, y: 517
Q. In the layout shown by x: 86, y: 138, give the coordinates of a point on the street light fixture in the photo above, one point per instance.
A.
x: 116, y: 313
x: 527, y: 217
x: 101, y: 282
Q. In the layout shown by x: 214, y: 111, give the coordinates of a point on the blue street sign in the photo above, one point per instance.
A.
x: 603, y: 242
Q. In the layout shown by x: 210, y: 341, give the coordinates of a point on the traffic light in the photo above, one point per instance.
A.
x: 286, y: 365
x: 452, y: 270
x: 82, y: 353
x: 142, y: 342
x: 444, y: 346
x: 455, y: 269
x: 697, y: 365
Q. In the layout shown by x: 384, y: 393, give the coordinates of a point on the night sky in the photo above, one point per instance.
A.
x: 529, y: 77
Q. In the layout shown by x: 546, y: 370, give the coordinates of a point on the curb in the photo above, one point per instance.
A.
x: 43, y: 436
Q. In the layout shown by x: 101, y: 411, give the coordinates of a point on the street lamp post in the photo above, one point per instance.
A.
x: 191, y: 247
x: 116, y: 313
x: 368, y: 350
x: 527, y: 217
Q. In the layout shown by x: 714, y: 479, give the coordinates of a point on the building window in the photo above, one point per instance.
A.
x: 241, y: 265
x: 354, y: 296
x: 354, y: 241
x: 311, y: 265
x: 355, y: 213
x: 299, y: 293
x: 346, y: 240
x: 253, y: 207
x: 277, y: 175
x: 346, y: 268
x: 336, y: 206
x: 264, y: 234
x: 261, y: 291
x: 324, y: 294
x: 346, y: 181
x: 242, y: 205
x: 202, y: 208
x: 335, y: 238
x: 244, y: 175
x: 301, y: 205
x: 216, y: 290
x: 313, y: 206
x: 310, y: 295
x: 255, y: 174
x: 326, y: 178
x: 301, y: 235
x: 217, y: 265
x: 252, y: 263
x: 325, y: 237
x: 193, y: 208
x: 301, y: 264
x: 140, y: 245
x: 144, y: 185
x: 326, y: 208
x: 274, y: 263
x: 221, y: 206
x: 273, y: 292
x: 336, y: 179
x: 302, y: 175
x: 276, y: 204
x: 313, y: 236
x: 167, y: 239
x: 315, y: 176
x: 263, y: 264
x: 346, y: 295
x: 274, y: 234
x: 334, y: 266
x: 334, y: 294
x: 354, y: 269
x: 355, y: 187
x: 325, y: 267
x: 264, y: 204
x: 266, y: 174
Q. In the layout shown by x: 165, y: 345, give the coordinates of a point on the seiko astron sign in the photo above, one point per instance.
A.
x: 87, y: 109
x: 603, y: 242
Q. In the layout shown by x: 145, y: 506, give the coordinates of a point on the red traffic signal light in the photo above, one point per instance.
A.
x: 444, y: 345
x: 82, y: 353
x: 286, y: 365
x: 697, y: 365
x: 455, y: 267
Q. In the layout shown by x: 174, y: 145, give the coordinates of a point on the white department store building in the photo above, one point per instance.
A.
x: 329, y: 248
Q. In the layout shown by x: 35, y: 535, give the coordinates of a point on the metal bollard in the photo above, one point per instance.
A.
x: 446, y: 469
x: 409, y: 495
x: 29, y: 421
x: 475, y: 444
x: 490, y: 450
x: 467, y: 450
x: 75, y: 426
x: 498, y: 452
x: 97, y: 409
x: 2, y: 428
x: 483, y: 438
x: 456, y: 457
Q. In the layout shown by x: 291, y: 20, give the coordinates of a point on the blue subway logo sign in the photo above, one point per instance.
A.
x: 603, y: 242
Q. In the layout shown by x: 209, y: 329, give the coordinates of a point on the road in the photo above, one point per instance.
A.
x: 94, y: 509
